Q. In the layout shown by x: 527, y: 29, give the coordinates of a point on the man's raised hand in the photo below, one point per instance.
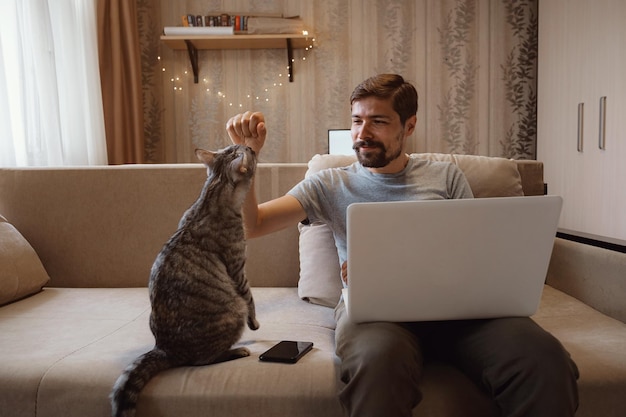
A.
x: 247, y: 129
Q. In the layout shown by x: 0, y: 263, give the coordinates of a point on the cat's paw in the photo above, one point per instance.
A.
x: 253, y: 324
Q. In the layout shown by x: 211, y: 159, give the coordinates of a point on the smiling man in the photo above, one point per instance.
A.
x: 379, y: 131
x: 523, y: 368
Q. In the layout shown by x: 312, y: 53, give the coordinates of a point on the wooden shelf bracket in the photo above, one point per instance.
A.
x: 193, y: 58
x: 290, y: 60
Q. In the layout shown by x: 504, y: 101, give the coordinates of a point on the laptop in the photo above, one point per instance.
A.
x: 340, y: 142
x: 449, y: 259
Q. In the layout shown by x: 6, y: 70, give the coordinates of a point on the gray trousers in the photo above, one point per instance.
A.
x: 522, y: 367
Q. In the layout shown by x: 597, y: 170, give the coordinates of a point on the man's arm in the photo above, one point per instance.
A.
x: 249, y: 129
x: 272, y: 215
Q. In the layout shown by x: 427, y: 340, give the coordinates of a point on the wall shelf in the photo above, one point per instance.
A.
x: 193, y: 43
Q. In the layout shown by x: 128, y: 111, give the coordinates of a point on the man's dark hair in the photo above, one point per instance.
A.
x: 389, y: 86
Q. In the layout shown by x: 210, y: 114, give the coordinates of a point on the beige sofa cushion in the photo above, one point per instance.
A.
x: 487, y: 176
x: 320, y: 281
x: 320, y: 272
x: 63, y: 349
x: 21, y: 271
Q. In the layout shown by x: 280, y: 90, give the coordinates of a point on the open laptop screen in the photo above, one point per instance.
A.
x: 340, y: 142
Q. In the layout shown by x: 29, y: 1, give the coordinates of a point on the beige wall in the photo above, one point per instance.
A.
x: 477, y: 87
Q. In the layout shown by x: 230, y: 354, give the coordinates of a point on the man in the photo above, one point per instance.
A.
x: 523, y: 368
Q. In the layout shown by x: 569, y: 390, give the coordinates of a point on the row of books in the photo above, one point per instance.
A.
x: 238, y: 22
x: 233, y: 23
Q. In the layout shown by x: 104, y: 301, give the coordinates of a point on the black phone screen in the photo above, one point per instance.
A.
x: 286, y: 351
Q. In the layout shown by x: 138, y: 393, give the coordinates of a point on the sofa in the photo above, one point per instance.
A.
x: 77, y: 244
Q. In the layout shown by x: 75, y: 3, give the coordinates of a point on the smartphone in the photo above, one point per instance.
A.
x: 286, y: 351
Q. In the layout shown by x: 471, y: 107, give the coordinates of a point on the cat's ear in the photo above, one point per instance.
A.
x: 206, y: 157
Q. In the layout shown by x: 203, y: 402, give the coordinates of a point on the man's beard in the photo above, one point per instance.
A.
x: 378, y: 156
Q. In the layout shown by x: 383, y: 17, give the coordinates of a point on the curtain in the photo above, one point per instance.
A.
x: 50, y: 100
x: 120, y: 71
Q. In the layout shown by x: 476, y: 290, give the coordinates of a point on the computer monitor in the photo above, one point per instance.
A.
x: 340, y: 142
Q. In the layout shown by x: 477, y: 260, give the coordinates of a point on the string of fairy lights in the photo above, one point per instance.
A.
x: 179, y: 82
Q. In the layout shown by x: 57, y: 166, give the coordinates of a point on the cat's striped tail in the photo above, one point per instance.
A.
x: 128, y: 386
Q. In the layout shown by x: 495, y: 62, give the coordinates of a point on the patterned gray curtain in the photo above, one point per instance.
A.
x: 511, y: 48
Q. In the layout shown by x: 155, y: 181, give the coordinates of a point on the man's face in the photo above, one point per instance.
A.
x: 377, y: 134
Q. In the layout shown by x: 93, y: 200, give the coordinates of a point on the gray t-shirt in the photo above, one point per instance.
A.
x: 326, y: 195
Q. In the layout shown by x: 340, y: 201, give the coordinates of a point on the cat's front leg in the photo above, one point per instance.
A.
x: 246, y: 294
x: 253, y: 324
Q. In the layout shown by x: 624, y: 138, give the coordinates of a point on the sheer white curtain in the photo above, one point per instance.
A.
x: 50, y: 94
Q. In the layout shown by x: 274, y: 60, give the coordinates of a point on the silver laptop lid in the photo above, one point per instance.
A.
x: 449, y: 259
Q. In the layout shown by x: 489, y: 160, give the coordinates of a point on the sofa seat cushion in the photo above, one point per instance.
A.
x: 62, y: 350
x: 596, y: 343
x: 79, y: 341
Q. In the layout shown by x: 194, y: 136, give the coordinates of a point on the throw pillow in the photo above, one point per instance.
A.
x: 320, y: 273
x: 21, y: 271
x: 320, y: 162
x: 490, y: 176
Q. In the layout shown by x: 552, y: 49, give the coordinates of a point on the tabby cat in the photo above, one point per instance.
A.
x: 199, y: 294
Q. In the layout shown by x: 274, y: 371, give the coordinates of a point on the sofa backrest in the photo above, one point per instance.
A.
x: 487, y: 176
x: 592, y: 274
x: 103, y: 226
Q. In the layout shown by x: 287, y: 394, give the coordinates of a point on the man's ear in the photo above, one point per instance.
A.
x: 410, y: 124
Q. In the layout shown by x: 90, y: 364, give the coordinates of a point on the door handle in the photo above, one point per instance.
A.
x: 581, y: 118
x: 602, y: 132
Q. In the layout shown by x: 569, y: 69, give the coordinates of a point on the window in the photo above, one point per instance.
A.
x: 50, y: 94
